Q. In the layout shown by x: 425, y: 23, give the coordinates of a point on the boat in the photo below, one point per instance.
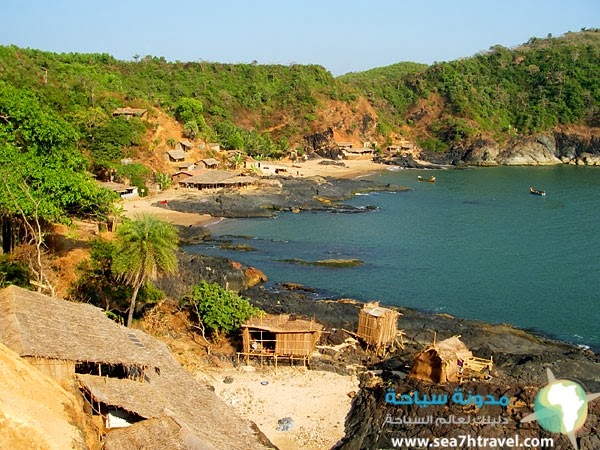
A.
x: 536, y: 191
x: 430, y: 179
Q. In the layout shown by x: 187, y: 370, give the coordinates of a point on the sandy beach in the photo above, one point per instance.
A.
x: 350, y: 169
x: 317, y: 403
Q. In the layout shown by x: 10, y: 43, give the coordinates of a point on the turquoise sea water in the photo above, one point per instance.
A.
x: 476, y: 244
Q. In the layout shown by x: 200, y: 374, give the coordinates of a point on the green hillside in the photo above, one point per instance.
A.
x: 234, y: 104
x: 265, y: 109
x: 501, y: 92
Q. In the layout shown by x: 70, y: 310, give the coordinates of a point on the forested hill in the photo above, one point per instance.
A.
x: 500, y: 92
x: 266, y: 110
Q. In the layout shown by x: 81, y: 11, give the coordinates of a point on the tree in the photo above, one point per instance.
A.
x: 218, y: 310
x: 145, y: 247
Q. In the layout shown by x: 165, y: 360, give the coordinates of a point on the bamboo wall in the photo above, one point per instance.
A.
x: 378, y: 331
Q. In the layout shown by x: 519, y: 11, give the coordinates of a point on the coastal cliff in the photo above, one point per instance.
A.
x: 544, y: 149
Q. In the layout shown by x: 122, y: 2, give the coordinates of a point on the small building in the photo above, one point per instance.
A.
x: 210, y: 163
x: 378, y: 326
x: 124, y: 191
x: 358, y: 153
x: 184, y: 146
x: 280, y: 337
x: 215, y: 147
x: 186, y: 165
x: 217, y: 179
x: 130, y: 112
x: 175, y: 155
x: 62, y: 338
x: 370, y: 144
x: 344, y: 145
x: 185, y: 174
x: 446, y: 361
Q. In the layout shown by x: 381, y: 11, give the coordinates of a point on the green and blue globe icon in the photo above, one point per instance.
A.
x: 561, y: 407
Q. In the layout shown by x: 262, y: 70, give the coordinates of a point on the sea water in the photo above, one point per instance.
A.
x: 475, y: 244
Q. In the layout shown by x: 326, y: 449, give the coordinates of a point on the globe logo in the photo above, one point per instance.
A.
x: 561, y: 407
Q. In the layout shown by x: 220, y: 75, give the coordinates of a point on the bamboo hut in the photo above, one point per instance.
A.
x: 280, y: 336
x: 441, y: 362
x: 61, y: 338
x: 377, y: 326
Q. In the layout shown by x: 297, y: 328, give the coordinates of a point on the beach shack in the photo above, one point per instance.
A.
x: 377, y: 326
x: 175, y: 155
x: 210, y: 163
x: 133, y: 389
x: 184, y: 146
x: 280, y: 337
x: 357, y: 153
x: 63, y: 338
x: 448, y: 361
x: 124, y: 190
x: 217, y: 179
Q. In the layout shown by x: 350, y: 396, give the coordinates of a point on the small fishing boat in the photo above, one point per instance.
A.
x: 536, y: 191
x: 430, y: 179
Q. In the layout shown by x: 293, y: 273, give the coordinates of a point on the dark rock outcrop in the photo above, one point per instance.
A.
x: 542, y: 149
x: 281, y: 194
x: 195, y: 267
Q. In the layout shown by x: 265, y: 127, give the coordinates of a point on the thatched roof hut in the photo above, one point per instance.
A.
x: 45, y: 329
x: 216, y: 179
x: 441, y: 362
x: 57, y: 335
x: 377, y: 326
x: 280, y: 336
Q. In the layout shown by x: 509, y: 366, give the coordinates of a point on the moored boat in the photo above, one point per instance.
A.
x: 536, y: 191
x: 431, y: 179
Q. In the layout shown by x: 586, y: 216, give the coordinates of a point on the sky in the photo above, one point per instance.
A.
x: 341, y: 35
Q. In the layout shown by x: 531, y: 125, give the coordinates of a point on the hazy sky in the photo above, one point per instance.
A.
x: 343, y: 35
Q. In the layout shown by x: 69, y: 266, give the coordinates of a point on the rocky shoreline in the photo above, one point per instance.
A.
x: 521, y: 358
x: 276, y: 193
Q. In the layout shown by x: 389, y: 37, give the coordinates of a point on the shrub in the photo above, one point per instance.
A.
x: 218, y: 310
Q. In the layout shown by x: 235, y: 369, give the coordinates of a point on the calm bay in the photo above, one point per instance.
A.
x: 475, y: 244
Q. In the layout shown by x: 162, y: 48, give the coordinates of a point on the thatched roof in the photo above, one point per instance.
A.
x: 33, y: 324
x: 176, y: 154
x: 450, y: 349
x: 153, y: 434
x: 210, y: 162
x: 373, y: 309
x: 211, y: 177
x: 136, y: 397
x: 173, y: 392
x: 283, y: 323
x: 186, y: 143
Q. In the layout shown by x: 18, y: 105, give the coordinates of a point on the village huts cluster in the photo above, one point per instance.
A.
x: 280, y: 337
x: 130, y: 381
x: 448, y: 360
x: 378, y: 326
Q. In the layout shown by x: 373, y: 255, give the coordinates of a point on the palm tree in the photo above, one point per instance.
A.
x: 143, y: 248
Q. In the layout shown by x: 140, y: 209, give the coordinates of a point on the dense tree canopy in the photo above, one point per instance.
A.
x: 41, y: 170
x: 259, y: 108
